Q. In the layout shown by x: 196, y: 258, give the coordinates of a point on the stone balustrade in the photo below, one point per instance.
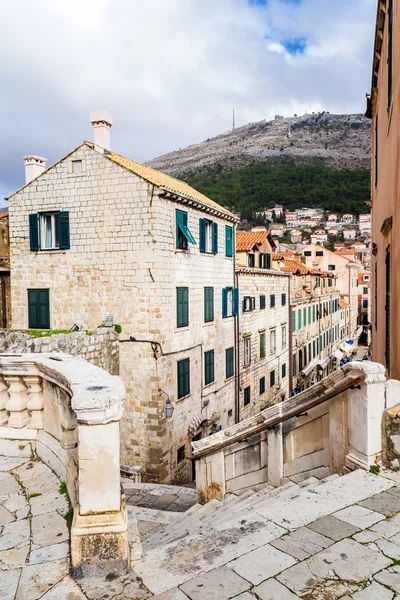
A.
x: 332, y: 427
x: 67, y: 412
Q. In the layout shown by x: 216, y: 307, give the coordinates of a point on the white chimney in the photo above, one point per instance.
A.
x: 102, y: 122
x: 34, y: 166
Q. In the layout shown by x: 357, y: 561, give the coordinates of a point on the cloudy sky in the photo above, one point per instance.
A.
x: 170, y: 71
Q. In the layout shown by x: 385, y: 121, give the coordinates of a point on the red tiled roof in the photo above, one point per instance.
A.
x: 3, y: 214
x: 246, y: 240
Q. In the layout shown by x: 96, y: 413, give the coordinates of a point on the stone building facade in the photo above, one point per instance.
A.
x: 384, y: 110
x: 263, y: 339
x: 97, y: 235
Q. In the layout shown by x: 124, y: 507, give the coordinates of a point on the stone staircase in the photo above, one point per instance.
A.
x: 207, y: 537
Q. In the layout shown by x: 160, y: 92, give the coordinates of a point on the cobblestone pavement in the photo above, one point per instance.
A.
x: 316, y: 540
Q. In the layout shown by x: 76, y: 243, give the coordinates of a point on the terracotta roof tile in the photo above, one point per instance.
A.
x: 246, y: 240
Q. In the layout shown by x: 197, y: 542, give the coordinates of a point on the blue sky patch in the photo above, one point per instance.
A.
x: 295, y: 46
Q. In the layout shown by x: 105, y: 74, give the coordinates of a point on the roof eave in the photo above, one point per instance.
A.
x: 376, y: 59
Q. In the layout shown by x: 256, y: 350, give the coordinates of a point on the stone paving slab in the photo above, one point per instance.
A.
x: 390, y: 578
x: 359, y: 516
x: 304, y: 506
x: 375, y: 591
x: 273, y: 590
x: 218, y: 584
x: 386, y: 503
x: 333, y: 528
x: 174, y: 594
x: 259, y: 565
x: 302, y: 543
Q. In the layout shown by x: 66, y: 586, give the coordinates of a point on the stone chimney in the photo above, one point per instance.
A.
x: 34, y: 166
x: 102, y: 122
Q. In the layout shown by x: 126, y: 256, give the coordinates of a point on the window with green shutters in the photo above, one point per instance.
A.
x: 230, y: 302
x: 262, y: 345
x: 183, y: 234
x: 272, y: 301
x: 182, y: 307
x: 294, y: 364
x: 283, y: 299
x: 313, y: 311
x: 229, y: 363
x: 293, y: 321
x: 208, y: 304
x: 272, y: 378
x: 262, y: 302
x: 262, y: 385
x: 283, y: 370
x: 299, y: 319
x: 305, y: 316
x: 228, y: 240
x: 208, y: 367
x: 246, y: 396
x: 38, y: 309
x: 49, y: 231
x: 208, y: 236
x: 183, y: 368
x: 309, y: 315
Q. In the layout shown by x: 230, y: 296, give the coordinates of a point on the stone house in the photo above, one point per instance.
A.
x: 346, y: 271
x: 98, y: 237
x: 5, y: 301
x: 384, y: 110
x: 254, y: 249
x: 315, y: 323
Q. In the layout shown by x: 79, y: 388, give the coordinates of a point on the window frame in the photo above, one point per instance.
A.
x: 186, y: 389
x: 38, y: 324
x: 209, y: 305
x: 182, y: 290
x: 246, y: 350
x: 247, y: 395
x: 229, y: 362
x: 262, y: 344
x: 209, y: 367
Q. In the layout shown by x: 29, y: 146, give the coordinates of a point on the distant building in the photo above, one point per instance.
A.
x: 350, y: 234
x: 296, y: 236
x: 348, y: 218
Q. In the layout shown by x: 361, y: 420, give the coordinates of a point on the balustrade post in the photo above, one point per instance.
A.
x: 4, y: 398
x: 18, y: 400
x: 35, y: 401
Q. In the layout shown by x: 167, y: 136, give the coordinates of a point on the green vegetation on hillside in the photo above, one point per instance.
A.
x: 264, y: 184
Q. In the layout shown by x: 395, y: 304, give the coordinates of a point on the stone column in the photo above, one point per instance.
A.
x: 366, y: 403
x: 4, y: 398
x: 210, y: 477
x: 18, y: 401
x: 35, y: 401
x: 275, y: 455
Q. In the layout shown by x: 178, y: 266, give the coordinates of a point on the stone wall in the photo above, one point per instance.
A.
x: 101, y: 347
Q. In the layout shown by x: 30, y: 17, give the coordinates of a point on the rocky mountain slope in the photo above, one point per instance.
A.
x: 339, y: 141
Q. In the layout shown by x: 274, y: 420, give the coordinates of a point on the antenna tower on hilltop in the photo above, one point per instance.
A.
x: 233, y: 120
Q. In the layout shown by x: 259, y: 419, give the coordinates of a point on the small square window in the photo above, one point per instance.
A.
x: 246, y: 396
x: 307, y: 253
x: 331, y: 267
x: 77, y: 166
x: 230, y: 413
x: 180, y: 455
x: 319, y: 253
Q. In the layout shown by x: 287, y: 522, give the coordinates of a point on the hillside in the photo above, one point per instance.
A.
x: 339, y: 141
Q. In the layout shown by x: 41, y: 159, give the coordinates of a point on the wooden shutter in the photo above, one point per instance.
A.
x: 228, y: 241
x: 224, y: 303
x: 183, y: 377
x: 38, y: 309
x: 63, y: 230
x: 208, y: 304
x: 229, y: 366
x: 294, y: 321
x: 235, y: 302
x: 34, y: 232
x: 182, y: 307
x: 215, y: 238
x: 267, y: 262
x: 209, y: 367
x: 202, y: 228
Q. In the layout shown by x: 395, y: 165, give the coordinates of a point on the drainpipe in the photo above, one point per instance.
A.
x: 236, y: 334
x: 290, y: 341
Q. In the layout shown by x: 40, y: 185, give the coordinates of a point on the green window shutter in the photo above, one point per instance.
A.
x: 283, y: 370
x: 225, y: 302
x: 246, y: 396
x: 208, y: 304
x: 202, y: 228
x: 294, y: 321
x: 267, y: 262
x: 294, y: 364
x: 182, y: 307
x: 313, y: 310
x: 34, y: 232
x: 309, y: 315
x: 228, y: 240
x: 299, y: 319
x: 305, y: 316
x: 229, y: 363
x: 272, y: 378
x: 208, y: 367
x: 262, y: 302
x: 262, y: 385
x: 235, y: 302
x: 38, y: 309
x: 215, y: 238
x: 63, y: 230
x: 183, y: 368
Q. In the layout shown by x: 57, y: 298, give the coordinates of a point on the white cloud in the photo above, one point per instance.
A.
x: 170, y: 71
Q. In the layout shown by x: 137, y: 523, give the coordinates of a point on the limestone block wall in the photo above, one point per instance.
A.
x: 101, y: 347
x: 255, y: 283
x: 123, y: 262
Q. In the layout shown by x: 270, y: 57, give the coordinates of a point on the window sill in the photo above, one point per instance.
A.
x: 207, y: 385
x: 208, y: 323
x: 183, y: 397
x: 50, y: 250
x: 229, y: 378
x: 181, y: 250
x: 184, y: 328
x: 77, y: 174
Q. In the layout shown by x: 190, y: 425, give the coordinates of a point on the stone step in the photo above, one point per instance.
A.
x: 303, y: 506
